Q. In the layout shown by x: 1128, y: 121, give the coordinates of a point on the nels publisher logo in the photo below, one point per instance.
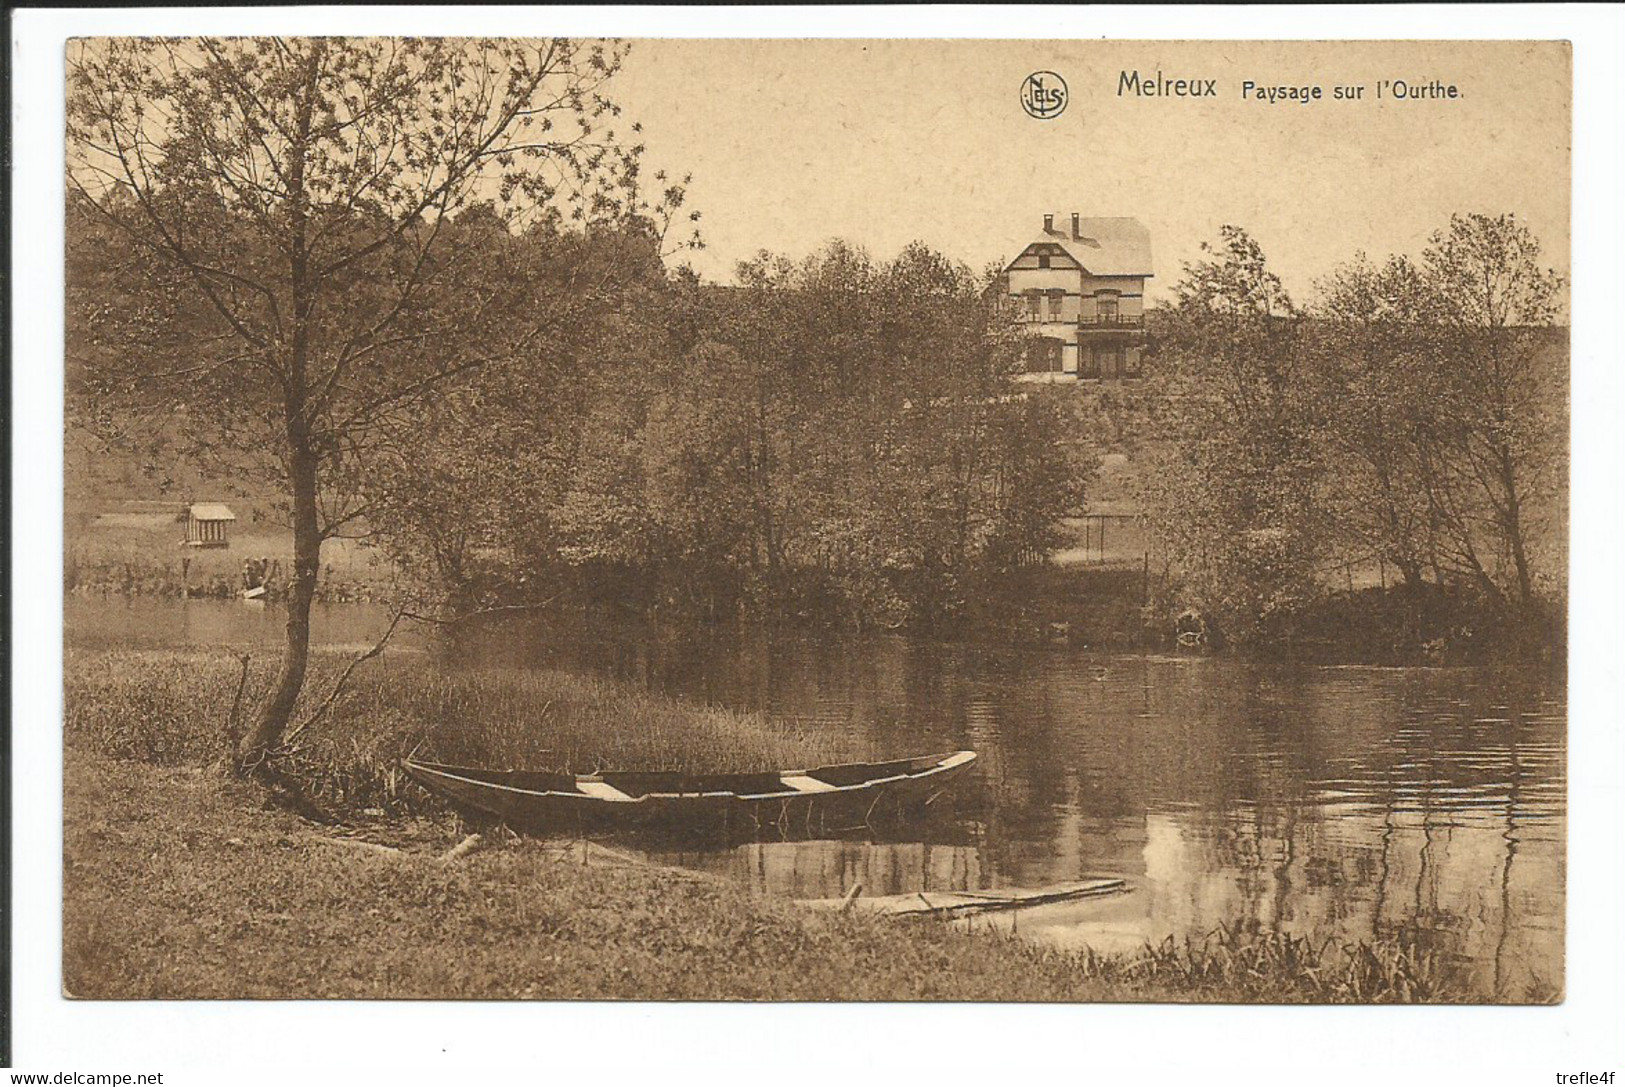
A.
x: 1043, y: 95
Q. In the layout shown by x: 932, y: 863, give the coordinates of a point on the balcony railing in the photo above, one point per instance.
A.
x: 1093, y: 321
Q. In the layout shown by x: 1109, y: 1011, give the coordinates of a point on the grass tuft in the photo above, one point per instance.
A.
x: 1396, y: 969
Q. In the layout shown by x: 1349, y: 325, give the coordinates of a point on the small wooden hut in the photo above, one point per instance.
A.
x: 206, y: 524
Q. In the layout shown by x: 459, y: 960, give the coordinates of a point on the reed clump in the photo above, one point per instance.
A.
x: 175, y: 708
x: 1247, y: 964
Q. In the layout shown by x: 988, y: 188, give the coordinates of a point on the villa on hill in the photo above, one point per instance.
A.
x: 1081, y: 293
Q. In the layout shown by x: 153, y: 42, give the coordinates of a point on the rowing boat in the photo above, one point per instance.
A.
x: 824, y: 798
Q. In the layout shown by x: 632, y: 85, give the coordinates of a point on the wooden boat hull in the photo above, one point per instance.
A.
x: 824, y: 799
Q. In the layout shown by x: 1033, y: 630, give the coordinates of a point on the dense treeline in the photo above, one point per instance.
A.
x: 1412, y: 419
x: 835, y: 439
x: 838, y: 439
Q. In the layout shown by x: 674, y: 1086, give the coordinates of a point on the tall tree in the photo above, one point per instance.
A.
x: 295, y: 204
x: 1235, y: 498
x: 1494, y: 304
x: 1374, y: 370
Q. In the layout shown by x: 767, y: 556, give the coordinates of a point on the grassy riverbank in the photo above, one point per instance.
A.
x: 178, y: 884
x: 181, y: 883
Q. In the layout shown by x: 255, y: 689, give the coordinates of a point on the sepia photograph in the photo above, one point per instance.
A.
x: 815, y: 520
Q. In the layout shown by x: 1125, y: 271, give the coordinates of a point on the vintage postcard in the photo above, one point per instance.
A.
x: 770, y: 520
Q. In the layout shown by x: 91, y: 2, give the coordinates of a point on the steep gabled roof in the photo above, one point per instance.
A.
x: 1109, y: 246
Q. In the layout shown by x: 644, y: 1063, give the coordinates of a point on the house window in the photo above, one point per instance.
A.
x: 1131, y: 362
x: 1088, y: 360
x: 1056, y: 299
x: 1032, y: 305
x: 1106, y: 308
x: 1043, y: 260
x: 1044, y: 356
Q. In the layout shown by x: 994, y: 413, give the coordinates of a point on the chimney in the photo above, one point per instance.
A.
x: 1049, y: 224
x: 1075, y: 234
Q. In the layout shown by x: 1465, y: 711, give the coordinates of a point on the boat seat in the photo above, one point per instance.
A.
x: 801, y: 783
x: 598, y: 790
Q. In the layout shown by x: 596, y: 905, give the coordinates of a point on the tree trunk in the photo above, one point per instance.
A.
x: 1512, y: 522
x: 277, y: 709
x: 303, y: 460
x: 1410, y: 571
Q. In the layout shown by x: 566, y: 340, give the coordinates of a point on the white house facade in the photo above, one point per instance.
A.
x: 1080, y: 289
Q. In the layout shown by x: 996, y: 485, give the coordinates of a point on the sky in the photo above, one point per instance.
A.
x: 795, y: 142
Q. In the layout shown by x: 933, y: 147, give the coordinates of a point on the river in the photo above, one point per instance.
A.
x: 1338, y: 802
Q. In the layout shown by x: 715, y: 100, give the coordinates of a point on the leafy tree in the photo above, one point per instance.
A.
x: 1235, y: 499
x: 1376, y: 377
x: 1494, y: 303
x: 299, y: 211
x: 905, y: 452
x: 467, y: 499
x: 836, y: 438
x: 1444, y: 401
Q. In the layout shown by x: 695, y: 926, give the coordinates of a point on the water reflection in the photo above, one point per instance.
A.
x: 1342, y: 802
